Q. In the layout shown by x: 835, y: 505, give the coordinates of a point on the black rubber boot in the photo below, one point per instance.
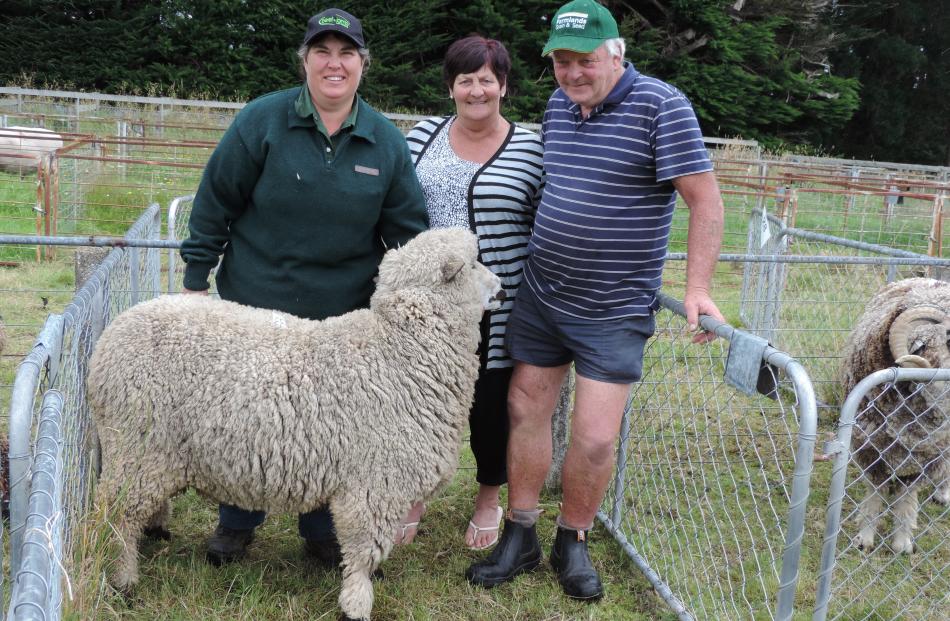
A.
x: 228, y: 544
x: 517, y: 552
x: 571, y: 563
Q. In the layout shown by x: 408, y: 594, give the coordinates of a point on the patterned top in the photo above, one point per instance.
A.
x: 499, y: 201
x: 603, y: 225
x: 445, y: 178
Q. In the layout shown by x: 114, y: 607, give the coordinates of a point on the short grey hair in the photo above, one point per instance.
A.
x: 616, y: 47
x: 362, y: 51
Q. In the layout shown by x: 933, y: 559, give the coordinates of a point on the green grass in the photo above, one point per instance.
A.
x: 423, y: 581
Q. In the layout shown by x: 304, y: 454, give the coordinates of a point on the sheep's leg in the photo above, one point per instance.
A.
x: 366, y: 537
x: 157, y: 526
x: 869, y: 512
x: 942, y: 493
x: 132, y: 494
x: 905, y: 518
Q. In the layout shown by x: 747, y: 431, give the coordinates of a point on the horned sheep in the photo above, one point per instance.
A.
x: 364, y: 412
x: 23, y: 148
x: 903, y: 439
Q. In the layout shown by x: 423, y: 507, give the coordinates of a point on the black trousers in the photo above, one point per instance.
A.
x: 488, y: 418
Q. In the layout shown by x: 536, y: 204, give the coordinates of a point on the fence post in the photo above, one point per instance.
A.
x: 154, y: 254
x: 617, y: 510
x: 849, y: 198
x: 44, y: 355
x: 35, y: 583
x: 935, y: 243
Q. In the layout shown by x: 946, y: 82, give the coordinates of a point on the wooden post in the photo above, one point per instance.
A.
x: 38, y: 207
x: 849, y: 197
x: 54, y: 199
x: 784, y: 194
x: 47, y: 206
x: 935, y: 243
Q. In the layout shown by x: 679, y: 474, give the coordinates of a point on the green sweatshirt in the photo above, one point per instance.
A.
x: 302, y: 222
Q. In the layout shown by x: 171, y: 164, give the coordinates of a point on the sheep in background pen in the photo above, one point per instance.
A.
x: 23, y: 148
x: 267, y: 411
x: 903, y: 439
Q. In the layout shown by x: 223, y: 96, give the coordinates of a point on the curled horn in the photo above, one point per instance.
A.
x: 901, y: 327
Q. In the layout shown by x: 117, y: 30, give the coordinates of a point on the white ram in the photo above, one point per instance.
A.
x: 364, y: 412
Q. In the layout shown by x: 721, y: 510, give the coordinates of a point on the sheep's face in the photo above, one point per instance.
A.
x: 918, y: 339
x: 443, y: 259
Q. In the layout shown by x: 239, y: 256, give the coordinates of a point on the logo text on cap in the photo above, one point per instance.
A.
x: 571, y: 20
x: 335, y: 19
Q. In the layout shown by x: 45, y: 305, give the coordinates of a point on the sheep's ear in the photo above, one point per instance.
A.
x: 451, y: 268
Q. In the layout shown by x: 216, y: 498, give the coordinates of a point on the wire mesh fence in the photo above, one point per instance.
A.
x: 886, y: 552
x: 712, y: 481
x: 808, y: 306
x: 125, y: 277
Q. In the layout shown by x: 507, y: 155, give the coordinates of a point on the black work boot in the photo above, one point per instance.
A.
x: 325, y: 551
x: 228, y: 544
x: 517, y: 552
x: 571, y: 563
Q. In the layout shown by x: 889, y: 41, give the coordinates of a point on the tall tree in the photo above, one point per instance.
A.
x: 900, y: 51
x: 755, y: 69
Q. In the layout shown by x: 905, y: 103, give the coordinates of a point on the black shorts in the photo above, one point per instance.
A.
x: 609, y: 350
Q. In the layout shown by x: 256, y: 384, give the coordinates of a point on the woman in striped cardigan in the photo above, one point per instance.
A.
x: 482, y: 172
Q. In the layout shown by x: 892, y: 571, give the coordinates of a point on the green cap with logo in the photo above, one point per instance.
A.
x: 581, y: 26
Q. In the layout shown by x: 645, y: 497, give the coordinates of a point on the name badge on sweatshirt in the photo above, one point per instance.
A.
x: 366, y: 170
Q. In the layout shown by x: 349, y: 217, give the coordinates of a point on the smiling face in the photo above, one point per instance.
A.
x: 477, y: 95
x: 587, y: 79
x: 333, y: 67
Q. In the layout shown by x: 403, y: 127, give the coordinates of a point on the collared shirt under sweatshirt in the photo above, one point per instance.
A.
x: 301, y: 218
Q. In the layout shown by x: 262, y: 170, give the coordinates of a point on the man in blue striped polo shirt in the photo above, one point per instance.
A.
x: 618, y: 146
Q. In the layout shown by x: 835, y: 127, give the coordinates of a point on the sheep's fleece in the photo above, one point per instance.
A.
x: 268, y: 411
x: 903, y: 440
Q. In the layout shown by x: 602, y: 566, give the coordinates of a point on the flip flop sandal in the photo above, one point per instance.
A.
x: 404, y: 528
x: 480, y: 529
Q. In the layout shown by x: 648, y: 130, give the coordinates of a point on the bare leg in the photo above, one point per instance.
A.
x: 409, y: 527
x: 485, y: 517
x: 598, y: 409
x: 531, y: 398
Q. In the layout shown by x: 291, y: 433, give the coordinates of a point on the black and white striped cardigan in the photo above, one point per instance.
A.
x: 502, y: 199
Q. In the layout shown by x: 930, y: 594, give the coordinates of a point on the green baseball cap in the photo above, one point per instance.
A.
x: 581, y: 26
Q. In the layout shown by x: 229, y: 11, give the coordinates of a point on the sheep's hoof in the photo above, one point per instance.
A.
x: 124, y: 587
x: 904, y: 546
x: 157, y: 532
x: 343, y: 617
x: 865, y: 544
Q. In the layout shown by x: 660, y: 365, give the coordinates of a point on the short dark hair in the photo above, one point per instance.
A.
x: 468, y: 55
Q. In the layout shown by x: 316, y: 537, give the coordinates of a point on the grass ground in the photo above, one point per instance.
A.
x: 423, y: 581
